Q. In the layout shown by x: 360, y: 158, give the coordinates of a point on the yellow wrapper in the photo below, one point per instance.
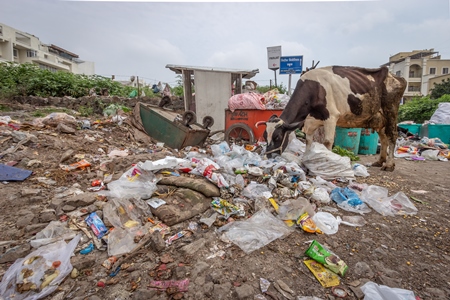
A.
x: 323, y: 275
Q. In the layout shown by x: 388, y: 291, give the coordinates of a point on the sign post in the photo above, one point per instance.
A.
x: 273, y: 59
x: 291, y: 65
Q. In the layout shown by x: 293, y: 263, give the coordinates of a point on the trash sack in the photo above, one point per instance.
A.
x: 255, y: 189
x: 56, y: 118
x: 322, y: 162
x: 360, y: 170
x: 348, y: 200
x: 398, y: 204
x: 326, y: 222
x: 373, y: 291
x: 442, y: 114
x: 296, y: 146
x: 246, y: 101
x: 135, y: 182
x: 255, y: 232
x: 430, y: 154
x: 321, y: 194
x: 292, y: 209
x: 35, y: 268
x: 53, y: 232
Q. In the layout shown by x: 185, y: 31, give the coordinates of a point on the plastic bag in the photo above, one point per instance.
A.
x: 255, y: 232
x: 254, y: 189
x: 292, y: 209
x: 220, y: 149
x: 123, y: 213
x: 39, y: 262
x: 442, y: 114
x: 321, y: 194
x: 355, y: 221
x: 398, y: 204
x: 326, y: 222
x: 207, y: 168
x: 169, y: 162
x: 56, y: 118
x: 360, y: 170
x: 322, y: 162
x: 54, y: 231
x: 373, y: 291
x: 135, y: 182
x: 430, y: 154
x: 348, y: 200
x: 121, y: 241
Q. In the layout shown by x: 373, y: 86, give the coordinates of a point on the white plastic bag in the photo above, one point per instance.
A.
x: 48, y: 254
x: 322, y: 162
x: 321, y: 194
x: 255, y: 232
x: 360, y: 170
x: 442, y: 114
x: 255, y: 189
x: 373, y: 291
x: 135, y: 182
x: 53, y: 232
x: 398, y: 204
x: 430, y: 154
x: 326, y: 222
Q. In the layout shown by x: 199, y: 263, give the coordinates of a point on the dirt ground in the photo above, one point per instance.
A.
x: 408, y: 252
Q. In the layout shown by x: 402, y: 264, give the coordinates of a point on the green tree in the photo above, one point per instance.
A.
x: 420, y: 109
x: 265, y: 88
x: 440, y: 89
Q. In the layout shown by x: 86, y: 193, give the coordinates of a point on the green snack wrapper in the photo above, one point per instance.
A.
x: 330, y: 260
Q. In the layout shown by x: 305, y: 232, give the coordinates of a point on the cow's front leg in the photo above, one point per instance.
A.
x: 329, y: 131
x: 391, y: 141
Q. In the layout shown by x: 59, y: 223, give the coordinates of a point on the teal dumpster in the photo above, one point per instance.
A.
x: 368, y: 142
x: 348, y: 138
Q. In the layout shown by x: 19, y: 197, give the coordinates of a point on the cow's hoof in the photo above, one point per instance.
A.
x: 377, y: 164
x: 388, y: 168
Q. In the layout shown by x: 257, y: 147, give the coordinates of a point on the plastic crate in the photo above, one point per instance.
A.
x: 413, y: 128
x: 348, y: 138
x: 368, y: 142
x: 441, y: 131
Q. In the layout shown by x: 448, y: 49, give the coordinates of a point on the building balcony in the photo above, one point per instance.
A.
x: 59, y: 66
x: 415, y: 79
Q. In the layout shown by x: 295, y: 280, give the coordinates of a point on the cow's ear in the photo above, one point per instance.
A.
x: 293, y: 126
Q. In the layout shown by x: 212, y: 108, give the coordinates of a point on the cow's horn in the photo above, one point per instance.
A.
x: 279, y: 123
x: 260, y: 123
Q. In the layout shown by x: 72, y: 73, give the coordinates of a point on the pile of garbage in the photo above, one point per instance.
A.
x: 251, y: 200
x: 271, y: 99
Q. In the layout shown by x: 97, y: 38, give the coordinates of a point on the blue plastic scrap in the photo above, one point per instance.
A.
x: 346, y: 194
x: 8, y: 173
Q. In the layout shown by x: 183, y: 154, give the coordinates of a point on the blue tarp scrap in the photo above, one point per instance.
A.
x: 8, y: 173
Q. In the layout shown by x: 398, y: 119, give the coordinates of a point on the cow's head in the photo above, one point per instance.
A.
x: 276, y: 134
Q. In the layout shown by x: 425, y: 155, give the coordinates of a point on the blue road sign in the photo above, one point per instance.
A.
x: 291, y: 64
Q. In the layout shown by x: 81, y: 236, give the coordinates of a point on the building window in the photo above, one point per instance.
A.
x: 45, y: 67
x: 398, y: 73
x: 31, y: 53
x: 45, y: 56
x: 1, y: 30
x: 15, y: 52
x: 432, y: 70
x: 444, y: 70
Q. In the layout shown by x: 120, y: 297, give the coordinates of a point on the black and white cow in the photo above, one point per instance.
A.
x: 348, y: 97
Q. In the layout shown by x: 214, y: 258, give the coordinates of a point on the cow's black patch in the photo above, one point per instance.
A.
x: 358, y: 77
x: 355, y: 104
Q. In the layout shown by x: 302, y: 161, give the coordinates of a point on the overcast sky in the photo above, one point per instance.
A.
x: 140, y: 38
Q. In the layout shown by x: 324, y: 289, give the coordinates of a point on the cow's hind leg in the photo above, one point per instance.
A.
x: 383, y: 149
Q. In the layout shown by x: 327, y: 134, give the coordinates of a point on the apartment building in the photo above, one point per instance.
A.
x: 421, y: 69
x: 21, y: 47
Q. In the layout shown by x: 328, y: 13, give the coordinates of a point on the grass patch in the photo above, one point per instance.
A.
x: 5, y: 108
x: 85, y: 111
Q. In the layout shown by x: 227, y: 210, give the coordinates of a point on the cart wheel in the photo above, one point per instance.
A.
x: 208, y: 121
x: 240, y: 134
x: 189, y: 118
